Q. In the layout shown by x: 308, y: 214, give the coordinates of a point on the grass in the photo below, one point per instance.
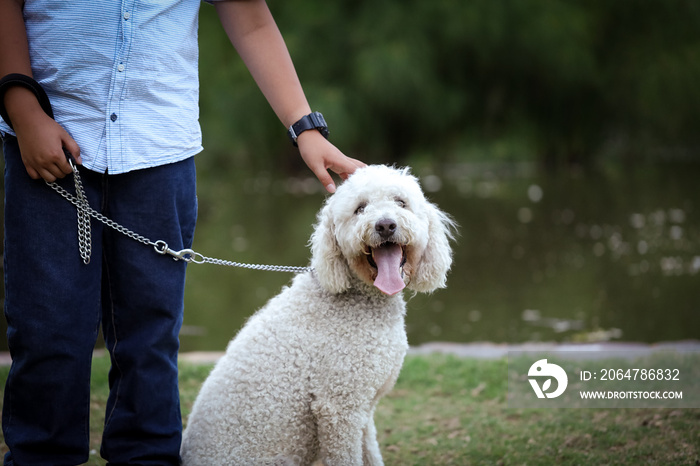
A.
x: 452, y: 411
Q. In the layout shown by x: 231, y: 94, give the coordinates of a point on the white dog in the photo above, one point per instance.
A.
x: 301, y: 380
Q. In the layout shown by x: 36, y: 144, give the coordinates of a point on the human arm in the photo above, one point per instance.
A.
x: 41, y: 139
x: 253, y: 32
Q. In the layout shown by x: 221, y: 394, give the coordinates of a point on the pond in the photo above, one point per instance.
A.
x: 613, y: 256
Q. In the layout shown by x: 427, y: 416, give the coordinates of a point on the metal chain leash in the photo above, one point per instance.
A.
x: 84, y: 232
x: 269, y: 268
x: 79, y: 200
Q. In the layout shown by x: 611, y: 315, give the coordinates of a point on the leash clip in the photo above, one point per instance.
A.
x: 187, y: 255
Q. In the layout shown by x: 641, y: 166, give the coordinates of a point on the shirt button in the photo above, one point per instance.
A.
x: 127, y: 15
x: 113, y: 117
x: 120, y: 67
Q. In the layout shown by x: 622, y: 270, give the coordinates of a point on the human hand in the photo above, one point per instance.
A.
x: 41, y: 140
x: 320, y: 156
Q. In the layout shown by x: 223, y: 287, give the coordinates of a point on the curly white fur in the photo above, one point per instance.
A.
x: 301, y: 380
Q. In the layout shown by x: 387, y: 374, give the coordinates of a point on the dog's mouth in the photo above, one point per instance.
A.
x: 388, y: 260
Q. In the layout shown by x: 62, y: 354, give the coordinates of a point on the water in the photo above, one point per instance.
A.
x: 614, y: 256
x: 607, y: 257
x: 586, y: 259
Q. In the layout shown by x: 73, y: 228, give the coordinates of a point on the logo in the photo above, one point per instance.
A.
x: 544, y: 369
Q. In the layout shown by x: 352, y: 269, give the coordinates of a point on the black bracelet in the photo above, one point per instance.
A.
x: 311, y: 121
x: 16, y: 79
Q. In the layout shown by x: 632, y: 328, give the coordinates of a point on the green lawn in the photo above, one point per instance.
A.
x: 452, y: 411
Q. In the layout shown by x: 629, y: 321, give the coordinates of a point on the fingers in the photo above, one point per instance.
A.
x: 49, y: 171
x: 33, y: 174
x: 49, y: 175
x: 348, y: 167
x: 50, y: 167
x: 42, y: 142
x: 321, y: 156
x: 339, y: 164
x: 343, y: 167
x: 319, y: 169
x: 72, y: 147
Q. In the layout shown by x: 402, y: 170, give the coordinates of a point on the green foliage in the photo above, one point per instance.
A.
x: 566, y: 80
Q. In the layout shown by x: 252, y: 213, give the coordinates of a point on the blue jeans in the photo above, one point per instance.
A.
x: 54, y: 305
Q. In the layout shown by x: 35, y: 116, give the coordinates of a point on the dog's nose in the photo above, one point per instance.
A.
x: 385, y: 227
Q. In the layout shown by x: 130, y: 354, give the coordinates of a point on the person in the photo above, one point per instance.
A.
x: 123, y: 81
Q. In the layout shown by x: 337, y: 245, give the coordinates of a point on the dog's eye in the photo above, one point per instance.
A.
x: 360, y: 208
x: 401, y: 203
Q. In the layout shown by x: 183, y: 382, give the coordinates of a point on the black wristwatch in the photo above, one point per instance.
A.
x: 311, y: 121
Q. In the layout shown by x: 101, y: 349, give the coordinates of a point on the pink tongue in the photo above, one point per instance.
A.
x: 388, y: 259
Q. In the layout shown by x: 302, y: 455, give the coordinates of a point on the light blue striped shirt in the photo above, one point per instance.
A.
x: 122, y: 77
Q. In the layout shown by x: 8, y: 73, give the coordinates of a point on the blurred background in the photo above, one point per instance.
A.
x: 562, y: 135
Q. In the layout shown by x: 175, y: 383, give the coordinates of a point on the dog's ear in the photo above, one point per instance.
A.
x: 327, y: 259
x: 431, y: 272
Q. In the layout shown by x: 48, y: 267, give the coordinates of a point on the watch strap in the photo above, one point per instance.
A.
x: 313, y: 120
x: 16, y: 79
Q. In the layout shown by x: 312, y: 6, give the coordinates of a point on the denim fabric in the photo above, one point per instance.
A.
x: 54, y: 305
